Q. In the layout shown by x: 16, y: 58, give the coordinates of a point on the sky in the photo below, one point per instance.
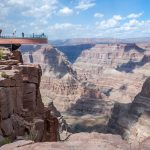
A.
x: 63, y: 19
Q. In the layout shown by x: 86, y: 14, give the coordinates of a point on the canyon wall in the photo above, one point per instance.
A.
x: 22, y: 112
x: 132, y: 121
x: 105, y: 74
x: 59, y: 82
x: 115, y: 71
x: 119, y: 70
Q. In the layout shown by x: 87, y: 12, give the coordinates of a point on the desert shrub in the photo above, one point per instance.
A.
x: 31, y: 135
x: 4, y: 75
x: 1, y: 54
x: 5, y: 141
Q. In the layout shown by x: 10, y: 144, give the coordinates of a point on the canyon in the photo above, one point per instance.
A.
x: 99, y: 92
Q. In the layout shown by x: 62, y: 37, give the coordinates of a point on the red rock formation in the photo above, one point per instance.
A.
x: 21, y: 108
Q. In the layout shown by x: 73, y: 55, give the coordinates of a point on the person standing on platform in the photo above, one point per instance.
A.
x: 14, y: 32
x: 0, y: 32
x: 23, y: 34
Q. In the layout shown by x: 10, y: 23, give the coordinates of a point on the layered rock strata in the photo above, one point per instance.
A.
x: 60, y: 84
x: 22, y: 112
x: 132, y: 121
x: 117, y: 69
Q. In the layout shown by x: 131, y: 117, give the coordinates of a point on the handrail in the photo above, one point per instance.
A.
x: 24, y: 36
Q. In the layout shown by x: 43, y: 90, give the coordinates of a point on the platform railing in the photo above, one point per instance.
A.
x: 24, y: 36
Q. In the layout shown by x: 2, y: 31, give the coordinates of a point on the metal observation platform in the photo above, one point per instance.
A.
x: 14, y: 41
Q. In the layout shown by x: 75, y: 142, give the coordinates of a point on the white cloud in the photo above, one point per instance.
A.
x: 32, y: 8
x: 63, y: 26
x: 117, y: 17
x: 65, y: 11
x: 135, y: 25
x: 3, y: 10
x: 68, y: 30
x: 134, y: 28
x: 85, y: 4
x: 36, y: 15
x: 98, y: 15
x: 16, y: 2
x: 133, y: 15
x: 110, y: 23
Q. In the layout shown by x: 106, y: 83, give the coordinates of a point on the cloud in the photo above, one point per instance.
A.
x: 32, y: 8
x: 37, y: 16
x: 135, y: 24
x: 85, y: 4
x: 131, y: 25
x: 117, y: 17
x: 16, y: 2
x: 65, y: 11
x: 98, y: 15
x: 64, y: 26
x: 133, y: 28
x: 110, y: 23
x: 42, y: 9
x: 133, y: 15
x: 67, y: 30
x: 3, y: 11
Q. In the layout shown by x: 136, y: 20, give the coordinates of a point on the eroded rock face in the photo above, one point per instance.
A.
x: 132, y: 121
x: 58, y: 80
x: 118, y: 70
x: 22, y: 112
x: 60, y: 84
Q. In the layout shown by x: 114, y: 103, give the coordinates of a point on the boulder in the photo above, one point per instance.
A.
x: 7, y: 127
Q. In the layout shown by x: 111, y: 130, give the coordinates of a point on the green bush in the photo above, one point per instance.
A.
x: 4, y: 75
x: 1, y: 54
x: 5, y: 141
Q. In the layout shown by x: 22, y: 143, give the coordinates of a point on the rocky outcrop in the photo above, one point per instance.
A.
x: 52, y: 61
x: 22, y: 112
x: 81, y: 141
x: 132, y: 121
x: 77, y: 141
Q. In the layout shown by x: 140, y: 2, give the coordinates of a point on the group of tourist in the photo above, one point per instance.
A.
x: 23, y: 35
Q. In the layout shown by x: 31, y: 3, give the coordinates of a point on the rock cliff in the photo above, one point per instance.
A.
x: 132, y: 121
x: 22, y: 112
x: 119, y: 70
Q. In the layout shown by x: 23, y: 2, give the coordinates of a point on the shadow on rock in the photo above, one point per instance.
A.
x: 77, y: 128
x: 74, y: 51
x: 131, y: 65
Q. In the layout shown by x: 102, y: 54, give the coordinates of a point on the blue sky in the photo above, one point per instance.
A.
x: 61, y: 19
